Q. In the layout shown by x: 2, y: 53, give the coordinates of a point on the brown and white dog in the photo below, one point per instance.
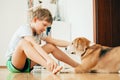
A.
x: 95, y: 57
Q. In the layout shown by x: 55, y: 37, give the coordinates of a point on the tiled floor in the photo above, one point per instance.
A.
x: 44, y: 75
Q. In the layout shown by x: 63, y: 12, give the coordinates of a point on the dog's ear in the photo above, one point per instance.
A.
x: 86, y: 42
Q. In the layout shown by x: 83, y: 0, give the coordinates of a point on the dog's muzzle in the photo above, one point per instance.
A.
x: 70, y: 49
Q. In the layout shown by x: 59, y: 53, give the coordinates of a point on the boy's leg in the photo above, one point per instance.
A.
x: 26, y: 50
x: 60, y: 55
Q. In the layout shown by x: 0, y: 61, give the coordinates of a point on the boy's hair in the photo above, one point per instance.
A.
x: 42, y: 14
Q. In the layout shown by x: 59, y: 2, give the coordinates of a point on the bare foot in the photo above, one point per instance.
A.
x: 55, y: 71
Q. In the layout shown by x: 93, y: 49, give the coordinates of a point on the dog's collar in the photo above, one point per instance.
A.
x: 84, y: 52
x: 91, y: 44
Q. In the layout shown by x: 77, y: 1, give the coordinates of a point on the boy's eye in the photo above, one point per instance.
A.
x: 44, y: 24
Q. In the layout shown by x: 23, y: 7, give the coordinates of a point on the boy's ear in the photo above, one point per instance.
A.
x: 35, y: 19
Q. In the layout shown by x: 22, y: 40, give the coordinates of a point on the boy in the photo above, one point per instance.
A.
x: 25, y: 51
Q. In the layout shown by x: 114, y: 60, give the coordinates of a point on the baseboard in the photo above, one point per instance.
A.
x: 3, y: 66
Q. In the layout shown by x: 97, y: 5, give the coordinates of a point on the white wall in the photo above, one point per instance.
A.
x: 80, y: 14
x: 61, y: 30
x: 12, y: 15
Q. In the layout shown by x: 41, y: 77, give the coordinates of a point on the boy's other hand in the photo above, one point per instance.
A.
x: 51, y: 64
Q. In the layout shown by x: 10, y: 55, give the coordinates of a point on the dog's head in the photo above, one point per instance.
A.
x: 80, y: 44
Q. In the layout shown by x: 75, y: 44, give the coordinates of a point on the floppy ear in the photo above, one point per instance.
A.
x: 95, y: 49
x: 85, y: 42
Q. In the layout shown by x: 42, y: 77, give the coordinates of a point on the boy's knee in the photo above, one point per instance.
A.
x: 51, y: 46
x: 24, y: 42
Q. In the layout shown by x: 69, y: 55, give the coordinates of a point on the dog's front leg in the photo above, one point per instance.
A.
x: 89, y: 61
x: 79, y: 69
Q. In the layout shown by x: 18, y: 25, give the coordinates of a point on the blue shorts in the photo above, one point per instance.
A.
x: 12, y: 68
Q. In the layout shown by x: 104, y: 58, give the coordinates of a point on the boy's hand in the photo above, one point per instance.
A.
x: 51, y: 64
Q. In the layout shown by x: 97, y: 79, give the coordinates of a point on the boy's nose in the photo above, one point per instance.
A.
x: 44, y: 29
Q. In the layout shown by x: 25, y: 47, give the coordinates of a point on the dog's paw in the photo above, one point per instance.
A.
x: 79, y: 69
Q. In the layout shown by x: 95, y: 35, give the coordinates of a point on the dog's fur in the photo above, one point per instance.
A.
x: 96, y: 58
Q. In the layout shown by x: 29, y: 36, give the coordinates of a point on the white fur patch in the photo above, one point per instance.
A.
x: 76, y: 56
x: 70, y: 49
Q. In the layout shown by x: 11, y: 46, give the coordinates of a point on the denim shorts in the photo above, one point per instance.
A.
x: 13, y: 69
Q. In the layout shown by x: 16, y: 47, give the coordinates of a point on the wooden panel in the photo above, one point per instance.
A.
x: 107, y: 22
x: 115, y: 22
x: 103, y: 22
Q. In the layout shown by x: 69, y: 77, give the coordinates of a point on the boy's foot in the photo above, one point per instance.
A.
x: 55, y: 71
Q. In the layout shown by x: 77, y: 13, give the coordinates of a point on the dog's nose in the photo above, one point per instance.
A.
x: 66, y: 48
x: 72, y: 52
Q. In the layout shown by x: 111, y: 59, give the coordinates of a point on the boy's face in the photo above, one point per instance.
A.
x: 41, y: 26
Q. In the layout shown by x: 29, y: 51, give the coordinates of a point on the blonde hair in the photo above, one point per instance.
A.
x: 41, y: 14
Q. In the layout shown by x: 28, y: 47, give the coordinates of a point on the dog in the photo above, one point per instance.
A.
x: 95, y: 57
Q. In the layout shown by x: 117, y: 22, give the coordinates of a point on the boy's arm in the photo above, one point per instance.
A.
x: 57, y: 42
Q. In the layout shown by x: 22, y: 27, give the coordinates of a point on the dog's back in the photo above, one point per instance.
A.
x: 109, y: 62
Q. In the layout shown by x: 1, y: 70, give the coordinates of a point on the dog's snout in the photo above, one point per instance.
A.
x: 73, y: 53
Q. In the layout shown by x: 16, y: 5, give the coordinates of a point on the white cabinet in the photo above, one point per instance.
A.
x: 61, y: 30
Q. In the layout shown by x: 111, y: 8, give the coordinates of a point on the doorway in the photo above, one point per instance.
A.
x: 107, y: 22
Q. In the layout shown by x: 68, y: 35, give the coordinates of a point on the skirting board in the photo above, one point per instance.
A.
x: 3, y: 66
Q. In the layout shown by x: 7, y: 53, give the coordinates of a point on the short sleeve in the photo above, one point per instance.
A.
x: 25, y: 31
